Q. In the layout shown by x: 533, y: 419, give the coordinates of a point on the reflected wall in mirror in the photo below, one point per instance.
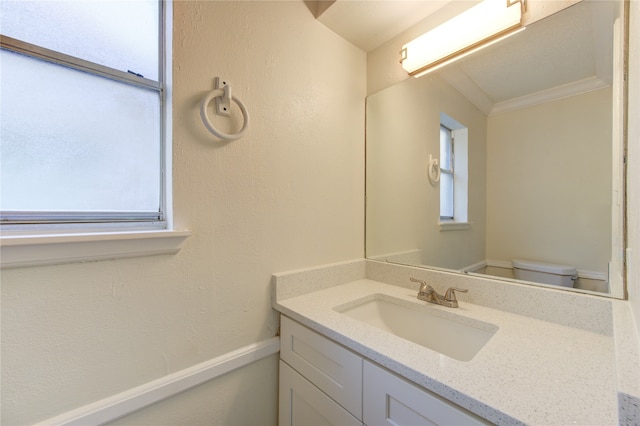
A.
x: 537, y: 141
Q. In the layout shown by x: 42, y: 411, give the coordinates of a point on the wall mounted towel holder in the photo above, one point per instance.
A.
x: 434, y: 170
x: 223, y: 97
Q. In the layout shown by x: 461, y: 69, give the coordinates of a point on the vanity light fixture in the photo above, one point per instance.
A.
x: 482, y: 25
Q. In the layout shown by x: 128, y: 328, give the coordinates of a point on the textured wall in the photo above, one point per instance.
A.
x: 549, y: 182
x: 288, y: 195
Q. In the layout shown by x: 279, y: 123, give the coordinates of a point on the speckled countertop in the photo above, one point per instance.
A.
x: 531, y: 371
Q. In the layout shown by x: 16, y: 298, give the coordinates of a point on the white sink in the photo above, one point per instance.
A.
x: 445, y: 332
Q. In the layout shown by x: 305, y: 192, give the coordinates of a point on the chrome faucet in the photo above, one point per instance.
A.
x: 429, y: 294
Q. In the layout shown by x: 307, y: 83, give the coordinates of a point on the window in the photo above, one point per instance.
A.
x: 83, y: 90
x: 85, y: 125
x: 446, y: 174
x: 454, y: 175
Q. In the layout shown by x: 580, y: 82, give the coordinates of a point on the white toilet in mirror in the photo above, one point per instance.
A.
x: 546, y: 273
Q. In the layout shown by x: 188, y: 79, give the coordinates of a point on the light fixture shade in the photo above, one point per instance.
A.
x: 483, y: 24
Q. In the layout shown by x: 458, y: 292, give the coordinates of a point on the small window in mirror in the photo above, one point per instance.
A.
x: 446, y: 174
x: 453, y: 170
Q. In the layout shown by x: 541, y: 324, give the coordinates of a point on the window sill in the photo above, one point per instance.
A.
x: 454, y: 226
x: 36, y: 250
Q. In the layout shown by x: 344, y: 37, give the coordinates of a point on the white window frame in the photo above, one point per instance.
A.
x: 460, y: 172
x: 45, y: 244
x: 450, y: 172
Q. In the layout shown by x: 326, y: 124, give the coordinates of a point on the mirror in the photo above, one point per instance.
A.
x: 536, y: 122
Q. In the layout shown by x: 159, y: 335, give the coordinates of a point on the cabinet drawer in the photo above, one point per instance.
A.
x: 332, y: 368
x: 391, y: 400
x: 303, y: 404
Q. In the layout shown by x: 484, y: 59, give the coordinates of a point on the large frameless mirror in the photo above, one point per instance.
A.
x: 509, y: 162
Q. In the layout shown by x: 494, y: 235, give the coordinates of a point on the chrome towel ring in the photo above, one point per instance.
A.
x: 225, y: 94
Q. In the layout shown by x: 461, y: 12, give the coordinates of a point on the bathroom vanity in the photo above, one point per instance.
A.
x: 322, y: 381
x: 353, y: 351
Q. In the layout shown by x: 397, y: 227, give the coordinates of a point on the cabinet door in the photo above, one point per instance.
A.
x: 334, y: 369
x: 390, y: 400
x: 303, y: 404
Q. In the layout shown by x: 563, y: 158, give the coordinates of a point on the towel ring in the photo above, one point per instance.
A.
x: 205, y: 119
x: 434, y: 170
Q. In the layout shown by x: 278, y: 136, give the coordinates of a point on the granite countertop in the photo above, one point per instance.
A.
x: 531, y: 371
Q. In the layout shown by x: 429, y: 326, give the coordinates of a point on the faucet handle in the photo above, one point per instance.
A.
x: 423, y: 285
x: 450, y: 294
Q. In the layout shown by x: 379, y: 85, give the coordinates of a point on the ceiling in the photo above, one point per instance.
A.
x: 566, y: 53
x: 370, y: 23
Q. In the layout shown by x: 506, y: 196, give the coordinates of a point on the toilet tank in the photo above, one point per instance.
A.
x: 546, y: 273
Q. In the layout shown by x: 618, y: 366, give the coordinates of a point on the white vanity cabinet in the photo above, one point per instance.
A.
x: 323, y: 383
x: 334, y: 373
x: 302, y: 403
x: 391, y: 400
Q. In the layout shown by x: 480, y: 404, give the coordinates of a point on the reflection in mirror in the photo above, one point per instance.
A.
x: 530, y: 158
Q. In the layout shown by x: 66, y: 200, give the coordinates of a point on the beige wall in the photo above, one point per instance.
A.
x: 403, y: 128
x: 549, y: 182
x: 288, y: 195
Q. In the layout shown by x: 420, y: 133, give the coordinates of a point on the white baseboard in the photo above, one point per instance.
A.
x: 592, y: 275
x: 119, y: 405
x: 475, y: 267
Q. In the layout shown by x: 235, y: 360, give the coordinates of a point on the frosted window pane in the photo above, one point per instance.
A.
x: 71, y: 141
x: 119, y: 34
x: 446, y: 195
x: 445, y: 148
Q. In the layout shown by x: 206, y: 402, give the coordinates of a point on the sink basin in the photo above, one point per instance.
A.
x: 452, y: 335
